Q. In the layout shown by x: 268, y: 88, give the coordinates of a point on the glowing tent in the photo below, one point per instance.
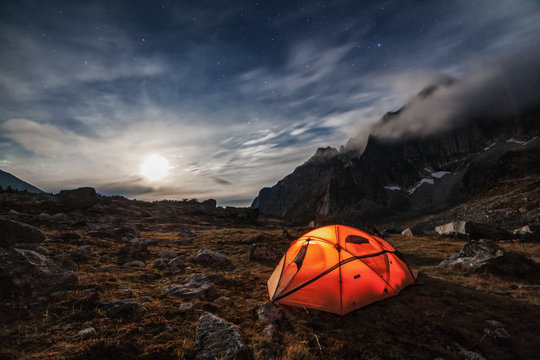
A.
x: 338, y: 269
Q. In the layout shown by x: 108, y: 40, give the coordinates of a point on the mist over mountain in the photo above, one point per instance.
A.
x: 453, y: 141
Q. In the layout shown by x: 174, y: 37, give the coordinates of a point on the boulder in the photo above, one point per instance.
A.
x: 159, y: 264
x: 455, y: 228
x: 211, y: 258
x: 82, y: 252
x: 472, y: 230
x: 135, y: 263
x: 196, y: 285
x: 81, y: 198
x: 176, y: 265
x: 216, y: 338
x: 27, y: 272
x: 167, y: 254
x: 12, y: 232
x: 407, y: 232
x: 269, y: 315
x: 485, y: 255
x: 262, y: 252
x: 468, y: 354
x: 223, y: 301
x: 87, y: 333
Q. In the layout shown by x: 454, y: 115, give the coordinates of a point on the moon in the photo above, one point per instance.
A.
x: 154, y: 167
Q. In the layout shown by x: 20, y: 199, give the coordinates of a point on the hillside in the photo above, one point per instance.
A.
x: 120, y: 256
x: 9, y: 181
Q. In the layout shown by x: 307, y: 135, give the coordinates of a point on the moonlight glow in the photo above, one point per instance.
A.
x: 154, y: 168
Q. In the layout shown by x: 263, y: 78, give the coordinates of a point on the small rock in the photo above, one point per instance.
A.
x: 407, y: 232
x: 150, y: 241
x: 467, y: 354
x: 501, y: 333
x: 87, y: 333
x: 12, y: 232
x: 223, y: 301
x: 211, y: 258
x: 196, y: 285
x: 522, y: 230
x: 167, y: 254
x: 176, y: 265
x: 217, y: 338
x: 184, y: 308
x: 159, y: 264
x: 135, y: 263
x: 82, y: 252
x: 269, y: 315
x: 105, y: 259
x: 263, y: 253
x: 495, y: 323
x: 146, y: 299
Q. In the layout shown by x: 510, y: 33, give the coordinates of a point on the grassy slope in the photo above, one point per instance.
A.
x: 424, y: 321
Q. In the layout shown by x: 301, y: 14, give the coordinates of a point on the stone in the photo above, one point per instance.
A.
x: 522, y: 230
x: 87, y: 333
x: 121, y: 307
x: 81, y: 198
x: 167, y: 254
x: 12, y: 232
x: 82, y: 252
x: 105, y: 259
x: 184, y: 308
x: 469, y: 229
x: 135, y: 263
x: 223, y: 301
x: 485, y: 255
x: 269, y: 315
x: 159, y: 264
x: 407, y: 232
x: 454, y: 228
x: 176, y: 265
x: 211, y: 258
x: 495, y: 323
x: 216, y: 338
x: 467, y: 354
x: 26, y: 272
x: 197, y: 285
x: 261, y: 252
x: 32, y: 246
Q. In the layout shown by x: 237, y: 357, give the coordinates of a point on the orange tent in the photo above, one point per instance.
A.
x: 338, y: 269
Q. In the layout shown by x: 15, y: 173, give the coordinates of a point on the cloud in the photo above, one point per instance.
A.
x: 494, y: 90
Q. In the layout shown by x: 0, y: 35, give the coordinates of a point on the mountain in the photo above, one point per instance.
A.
x: 408, y: 178
x: 8, y: 180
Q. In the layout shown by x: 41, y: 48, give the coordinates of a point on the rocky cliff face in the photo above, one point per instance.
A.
x: 406, y: 178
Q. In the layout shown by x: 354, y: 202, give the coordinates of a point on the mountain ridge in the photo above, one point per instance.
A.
x: 13, y: 182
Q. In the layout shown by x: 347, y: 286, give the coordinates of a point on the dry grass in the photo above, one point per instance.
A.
x: 424, y: 321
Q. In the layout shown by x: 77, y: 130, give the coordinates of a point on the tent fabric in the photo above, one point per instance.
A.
x: 338, y: 269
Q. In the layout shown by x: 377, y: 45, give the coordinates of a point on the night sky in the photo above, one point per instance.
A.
x: 233, y: 95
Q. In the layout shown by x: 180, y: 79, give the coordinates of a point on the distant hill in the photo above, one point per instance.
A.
x: 8, y: 180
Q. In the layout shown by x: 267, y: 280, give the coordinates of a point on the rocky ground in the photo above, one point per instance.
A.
x: 91, y: 277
